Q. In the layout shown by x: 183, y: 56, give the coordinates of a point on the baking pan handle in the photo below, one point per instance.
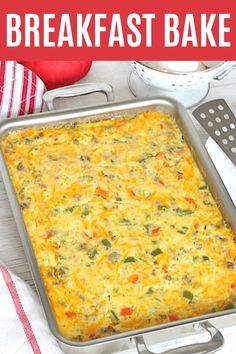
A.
x: 77, y: 90
x: 215, y: 343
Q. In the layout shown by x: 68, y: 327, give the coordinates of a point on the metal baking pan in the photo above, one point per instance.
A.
x: 118, y: 342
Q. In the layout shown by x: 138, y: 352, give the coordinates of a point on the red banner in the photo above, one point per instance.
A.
x: 121, y: 30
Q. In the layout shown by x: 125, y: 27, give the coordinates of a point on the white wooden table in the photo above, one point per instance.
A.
x: 116, y: 74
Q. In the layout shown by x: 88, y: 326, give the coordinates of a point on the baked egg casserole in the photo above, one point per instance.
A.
x: 124, y: 228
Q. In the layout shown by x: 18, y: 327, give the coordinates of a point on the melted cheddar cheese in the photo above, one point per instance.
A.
x: 124, y: 229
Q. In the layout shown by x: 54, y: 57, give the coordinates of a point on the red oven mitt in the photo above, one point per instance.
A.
x: 56, y: 73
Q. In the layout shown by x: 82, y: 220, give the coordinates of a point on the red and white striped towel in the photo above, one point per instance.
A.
x: 21, y: 91
x: 23, y: 327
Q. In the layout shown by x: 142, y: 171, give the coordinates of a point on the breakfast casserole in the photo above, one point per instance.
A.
x: 124, y: 228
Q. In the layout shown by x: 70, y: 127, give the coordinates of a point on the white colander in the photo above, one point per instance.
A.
x: 176, y: 81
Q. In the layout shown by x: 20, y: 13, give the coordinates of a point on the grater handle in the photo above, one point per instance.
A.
x: 215, y: 343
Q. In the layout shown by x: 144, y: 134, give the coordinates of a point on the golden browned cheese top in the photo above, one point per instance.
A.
x: 125, y: 231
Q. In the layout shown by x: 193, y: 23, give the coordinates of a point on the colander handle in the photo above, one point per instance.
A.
x: 77, y: 90
x: 215, y: 343
x: 221, y: 74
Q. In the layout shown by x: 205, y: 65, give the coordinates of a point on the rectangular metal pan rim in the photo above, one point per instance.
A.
x: 110, y: 111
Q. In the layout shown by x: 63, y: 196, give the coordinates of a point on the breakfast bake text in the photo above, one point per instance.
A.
x: 124, y: 228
